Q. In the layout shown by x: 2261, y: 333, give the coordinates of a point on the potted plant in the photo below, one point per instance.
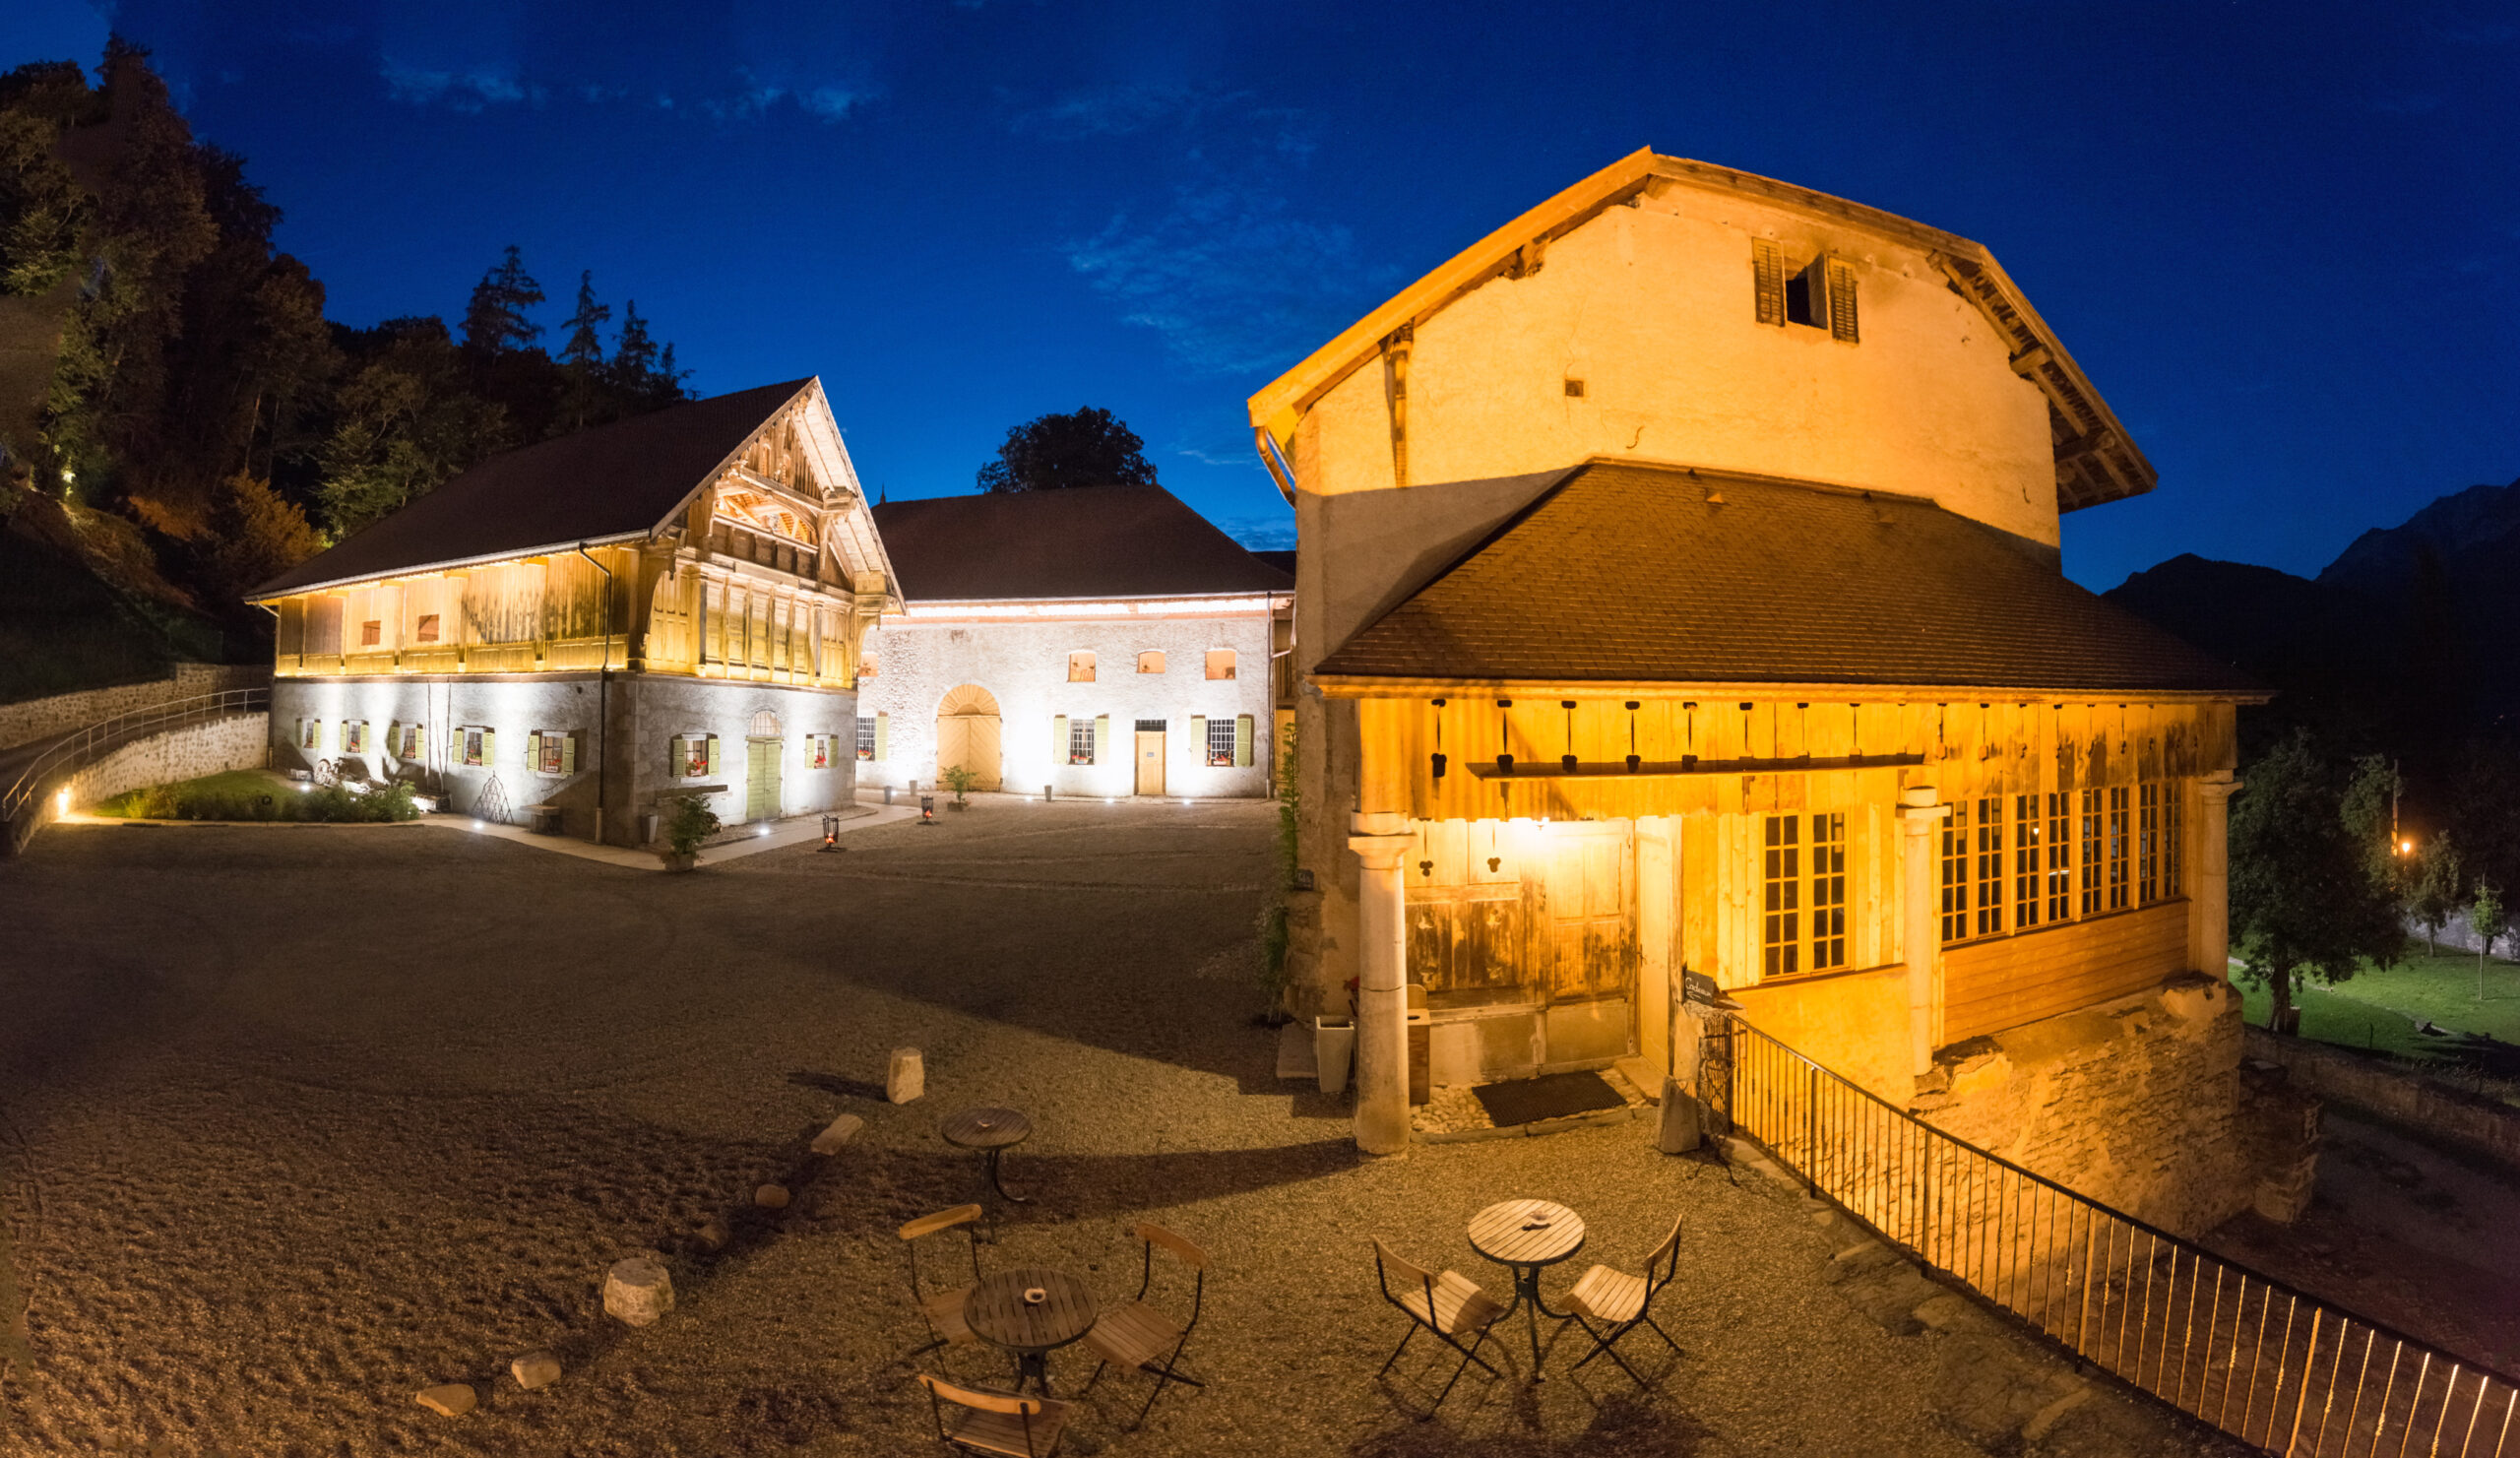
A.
x: 960, y: 780
x: 689, y: 822
x: 1334, y: 1043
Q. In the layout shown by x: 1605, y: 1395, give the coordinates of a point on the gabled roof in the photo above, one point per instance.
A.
x: 613, y: 482
x: 2096, y: 459
x: 1079, y: 543
x: 1637, y: 574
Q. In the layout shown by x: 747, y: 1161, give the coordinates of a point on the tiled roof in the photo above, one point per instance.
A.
x: 1083, y: 541
x: 1629, y: 573
x: 610, y: 481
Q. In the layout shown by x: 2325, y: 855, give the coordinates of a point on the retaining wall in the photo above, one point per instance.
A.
x: 39, y: 719
x: 2399, y: 1095
x: 238, y: 742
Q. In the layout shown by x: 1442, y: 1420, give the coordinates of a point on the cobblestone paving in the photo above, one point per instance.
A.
x: 299, y: 1123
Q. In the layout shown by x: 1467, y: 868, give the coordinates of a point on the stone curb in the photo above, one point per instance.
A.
x: 1542, y: 1127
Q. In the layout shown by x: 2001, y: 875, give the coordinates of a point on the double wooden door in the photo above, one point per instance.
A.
x: 1506, y: 913
x: 969, y: 742
x: 761, y: 777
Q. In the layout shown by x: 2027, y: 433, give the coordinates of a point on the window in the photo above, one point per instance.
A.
x: 472, y: 746
x: 552, y: 751
x: 1991, y: 866
x: 2092, y: 845
x: 1955, y: 874
x: 1828, y: 892
x: 1219, y: 663
x: 310, y: 734
x: 866, y: 666
x: 694, y: 755
x: 1781, y: 884
x: 2148, y: 842
x: 2060, y: 858
x: 406, y: 743
x: 1221, y: 742
x: 426, y: 630
x: 866, y: 739
x: 818, y: 751
x: 1080, y: 740
x: 372, y: 633
x: 354, y: 737
x: 2029, y: 860
x: 1822, y: 296
x: 1080, y: 667
x: 1151, y: 660
x: 2174, y: 841
x: 2118, y: 845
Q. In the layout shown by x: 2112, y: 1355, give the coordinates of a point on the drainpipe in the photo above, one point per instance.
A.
x: 603, y: 693
x: 267, y: 712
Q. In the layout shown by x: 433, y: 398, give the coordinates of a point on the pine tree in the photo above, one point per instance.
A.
x: 634, y: 354
x: 585, y: 351
x: 495, y: 319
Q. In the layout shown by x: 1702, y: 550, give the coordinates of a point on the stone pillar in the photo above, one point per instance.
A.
x: 1381, y: 843
x: 2209, y: 894
x: 1919, y: 938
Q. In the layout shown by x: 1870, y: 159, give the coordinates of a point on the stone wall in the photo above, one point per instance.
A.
x: 2137, y: 1104
x: 241, y: 742
x: 2458, y: 935
x: 2395, y: 1094
x: 37, y: 719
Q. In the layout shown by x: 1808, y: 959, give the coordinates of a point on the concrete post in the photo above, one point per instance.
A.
x: 2209, y: 896
x: 1919, y: 938
x: 1381, y: 843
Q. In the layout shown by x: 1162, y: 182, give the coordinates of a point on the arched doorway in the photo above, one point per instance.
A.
x: 966, y: 734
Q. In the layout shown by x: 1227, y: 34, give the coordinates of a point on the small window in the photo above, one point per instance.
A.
x: 695, y: 755
x: 1822, y: 296
x: 2148, y: 840
x: 866, y: 666
x: 426, y: 630
x: 475, y: 745
x: 818, y: 751
x: 1220, y: 743
x: 1781, y: 904
x: 553, y: 753
x: 372, y: 633
x: 867, y: 738
x: 1080, y: 667
x: 1080, y: 741
x: 354, y: 737
x: 409, y: 746
x: 2060, y: 856
x: 2029, y: 862
x: 1955, y: 874
x: 2174, y: 828
x: 1828, y: 892
x: 1151, y: 660
x: 1219, y: 663
x: 1991, y: 866
x: 310, y: 734
x: 1574, y: 389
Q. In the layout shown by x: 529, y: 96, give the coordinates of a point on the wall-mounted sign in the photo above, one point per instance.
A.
x: 1699, y: 989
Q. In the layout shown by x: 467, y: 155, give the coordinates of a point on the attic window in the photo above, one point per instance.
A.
x: 427, y: 631
x: 1574, y: 389
x: 1822, y: 296
x: 1151, y: 660
x: 372, y: 633
x: 1080, y: 667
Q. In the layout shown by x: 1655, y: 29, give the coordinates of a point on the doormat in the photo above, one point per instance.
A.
x: 1528, y: 1101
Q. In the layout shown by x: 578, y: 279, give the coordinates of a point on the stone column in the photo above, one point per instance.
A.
x: 2209, y: 894
x: 1381, y: 843
x: 1919, y: 938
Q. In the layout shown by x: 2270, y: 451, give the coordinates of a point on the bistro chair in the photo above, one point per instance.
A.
x: 1623, y: 1303
x: 1448, y: 1303
x: 1142, y: 1338
x: 943, y: 1309
x: 970, y: 1420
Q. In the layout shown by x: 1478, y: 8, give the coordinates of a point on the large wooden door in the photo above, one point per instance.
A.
x: 761, y: 779
x: 967, y: 735
x: 1590, y: 954
x: 1150, y: 761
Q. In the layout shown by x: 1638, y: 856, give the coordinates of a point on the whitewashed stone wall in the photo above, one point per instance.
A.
x: 37, y: 719
x: 642, y: 713
x: 1024, y: 666
x: 178, y: 754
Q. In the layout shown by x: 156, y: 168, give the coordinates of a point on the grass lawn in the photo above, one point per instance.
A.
x: 233, y: 781
x: 2381, y: 1007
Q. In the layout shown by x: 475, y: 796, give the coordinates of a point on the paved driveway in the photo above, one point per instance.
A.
x: 301, y: 1120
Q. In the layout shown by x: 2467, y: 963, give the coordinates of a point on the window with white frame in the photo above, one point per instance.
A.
x: 310, y: 734
x: 552, y: 751
x: 406, y: 743
x: 354, y: 737
x: 1221, y: 733
x: 1080, y: 741
x: 472, y: 744
x: 867, y: 737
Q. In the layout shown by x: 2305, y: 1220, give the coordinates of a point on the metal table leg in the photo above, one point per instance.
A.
x: 1009, y: 1195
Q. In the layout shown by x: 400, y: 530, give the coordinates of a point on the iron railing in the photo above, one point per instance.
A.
x: 2272, y: 1365
x: 20, y: 808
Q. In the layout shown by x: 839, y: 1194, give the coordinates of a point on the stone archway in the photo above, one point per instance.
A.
x: 967, y: 735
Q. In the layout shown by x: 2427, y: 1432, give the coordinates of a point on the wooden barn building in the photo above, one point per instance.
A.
x: 665, y: 606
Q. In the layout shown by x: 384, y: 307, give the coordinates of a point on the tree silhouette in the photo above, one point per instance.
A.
x: 2305, y: 900
x: 1087, y: 447
x: 494, y: 319
x: 585, y: 350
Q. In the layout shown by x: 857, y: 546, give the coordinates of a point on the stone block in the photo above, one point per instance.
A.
x: 907, y: 1079
x: 837, y: 1136
x: 638, y: 1291
x: 453, y: 1400
x: 712, y: 1235
x: 1681, y: 1130
x: 535, y: 1369
x: 771, y: 1196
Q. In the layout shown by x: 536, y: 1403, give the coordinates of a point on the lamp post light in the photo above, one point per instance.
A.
x: 831, y: 832
x: 927, y: 810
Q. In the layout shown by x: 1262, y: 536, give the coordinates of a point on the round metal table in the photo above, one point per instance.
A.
x: 992, y: 1131
x: 999, y: 1313
x: 1526, y: 1236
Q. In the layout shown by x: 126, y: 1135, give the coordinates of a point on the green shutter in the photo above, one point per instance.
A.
x: 1199, y: 739
x: 569, y: 753
x: 680, y: 749
x: 533, y: 752
x: 1101, y: 736
x: 1058, y: 738
x: 883, y: 733
x: 711, y: 768
x: 489, y: 746
x: 455, y: 744
x: 1242, y: 741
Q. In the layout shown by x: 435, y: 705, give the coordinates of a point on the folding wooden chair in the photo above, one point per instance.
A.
x: 1140, y: 1336
x: 1447, y: 1304
x: 943, y: 1309
x: 972, y: 1420
x: 1623, y: 1303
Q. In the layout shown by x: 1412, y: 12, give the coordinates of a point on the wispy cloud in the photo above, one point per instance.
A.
x: 1118, y: 110
x: 470, y: 89
x: 1260, y: 533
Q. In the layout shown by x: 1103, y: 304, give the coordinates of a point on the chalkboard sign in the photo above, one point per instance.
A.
x: 1697, y: 986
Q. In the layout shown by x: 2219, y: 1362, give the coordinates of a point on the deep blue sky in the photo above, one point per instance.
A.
x: 2284, y: 239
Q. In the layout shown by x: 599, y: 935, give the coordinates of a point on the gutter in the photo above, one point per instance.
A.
x: 603, y: 693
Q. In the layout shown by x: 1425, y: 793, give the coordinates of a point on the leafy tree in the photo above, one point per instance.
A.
x: 2305, y: 900
x: 494, y: 320
x: 1087, y: 447
x: 43, y: 214
x: 256, y: 534
x: 2436, y: 889
x: 2485, y: 811
x: 407, y: 423
x: 2485, y: 915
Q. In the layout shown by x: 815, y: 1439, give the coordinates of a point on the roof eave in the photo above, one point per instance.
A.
x: 261, y: 595
x: 1371, y: 685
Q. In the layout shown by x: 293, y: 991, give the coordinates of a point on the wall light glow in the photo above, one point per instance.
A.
x: 61, y: 801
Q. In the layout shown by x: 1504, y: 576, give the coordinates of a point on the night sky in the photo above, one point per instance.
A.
x: 2283, y: 240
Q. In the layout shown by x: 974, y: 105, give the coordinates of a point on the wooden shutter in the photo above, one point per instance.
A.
x: 1199, y: 738
x: 711, y: 766
x: 1058, y: 739
x: 455, y: 744
x: 1814, y: 279
x: 394, y: 738
x: 883, y: 733
x: 1767, y: 275
x: 1242, y: 741
x: 569, y: 752
x: 533, y: 752
x: 681, y: 748
x: 489, y: 746
x: 1101, y: 736
x: 1840, y: 293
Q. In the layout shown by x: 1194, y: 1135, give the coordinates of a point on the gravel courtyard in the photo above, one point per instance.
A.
x: 294, y: 1123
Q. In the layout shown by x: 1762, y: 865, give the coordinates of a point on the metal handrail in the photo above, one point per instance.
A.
x: 2096, y: 1280
x: 81, y: 747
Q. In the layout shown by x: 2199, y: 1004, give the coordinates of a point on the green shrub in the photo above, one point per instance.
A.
x: 689, y: 823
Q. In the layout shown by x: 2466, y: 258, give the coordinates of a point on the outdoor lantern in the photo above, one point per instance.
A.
x: 927, y: 810
x: 831, y: 832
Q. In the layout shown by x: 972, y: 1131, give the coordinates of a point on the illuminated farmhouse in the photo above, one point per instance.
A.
x: 1102, y: 641
x: 1680, y: 592
x: 669, y: 605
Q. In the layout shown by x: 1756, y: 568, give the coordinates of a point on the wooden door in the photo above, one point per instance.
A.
x: 972, y: 741
x: 761, y: 779
x: 1150, y: 761
x: 1588, y: 951
x: 953, y: 743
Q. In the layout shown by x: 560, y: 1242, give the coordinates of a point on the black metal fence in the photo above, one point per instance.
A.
x: 21, y: 811
x: 2269, y: 1365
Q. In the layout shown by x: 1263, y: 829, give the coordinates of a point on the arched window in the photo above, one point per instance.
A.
x: 765, y: 725
x: 1151, y: 660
